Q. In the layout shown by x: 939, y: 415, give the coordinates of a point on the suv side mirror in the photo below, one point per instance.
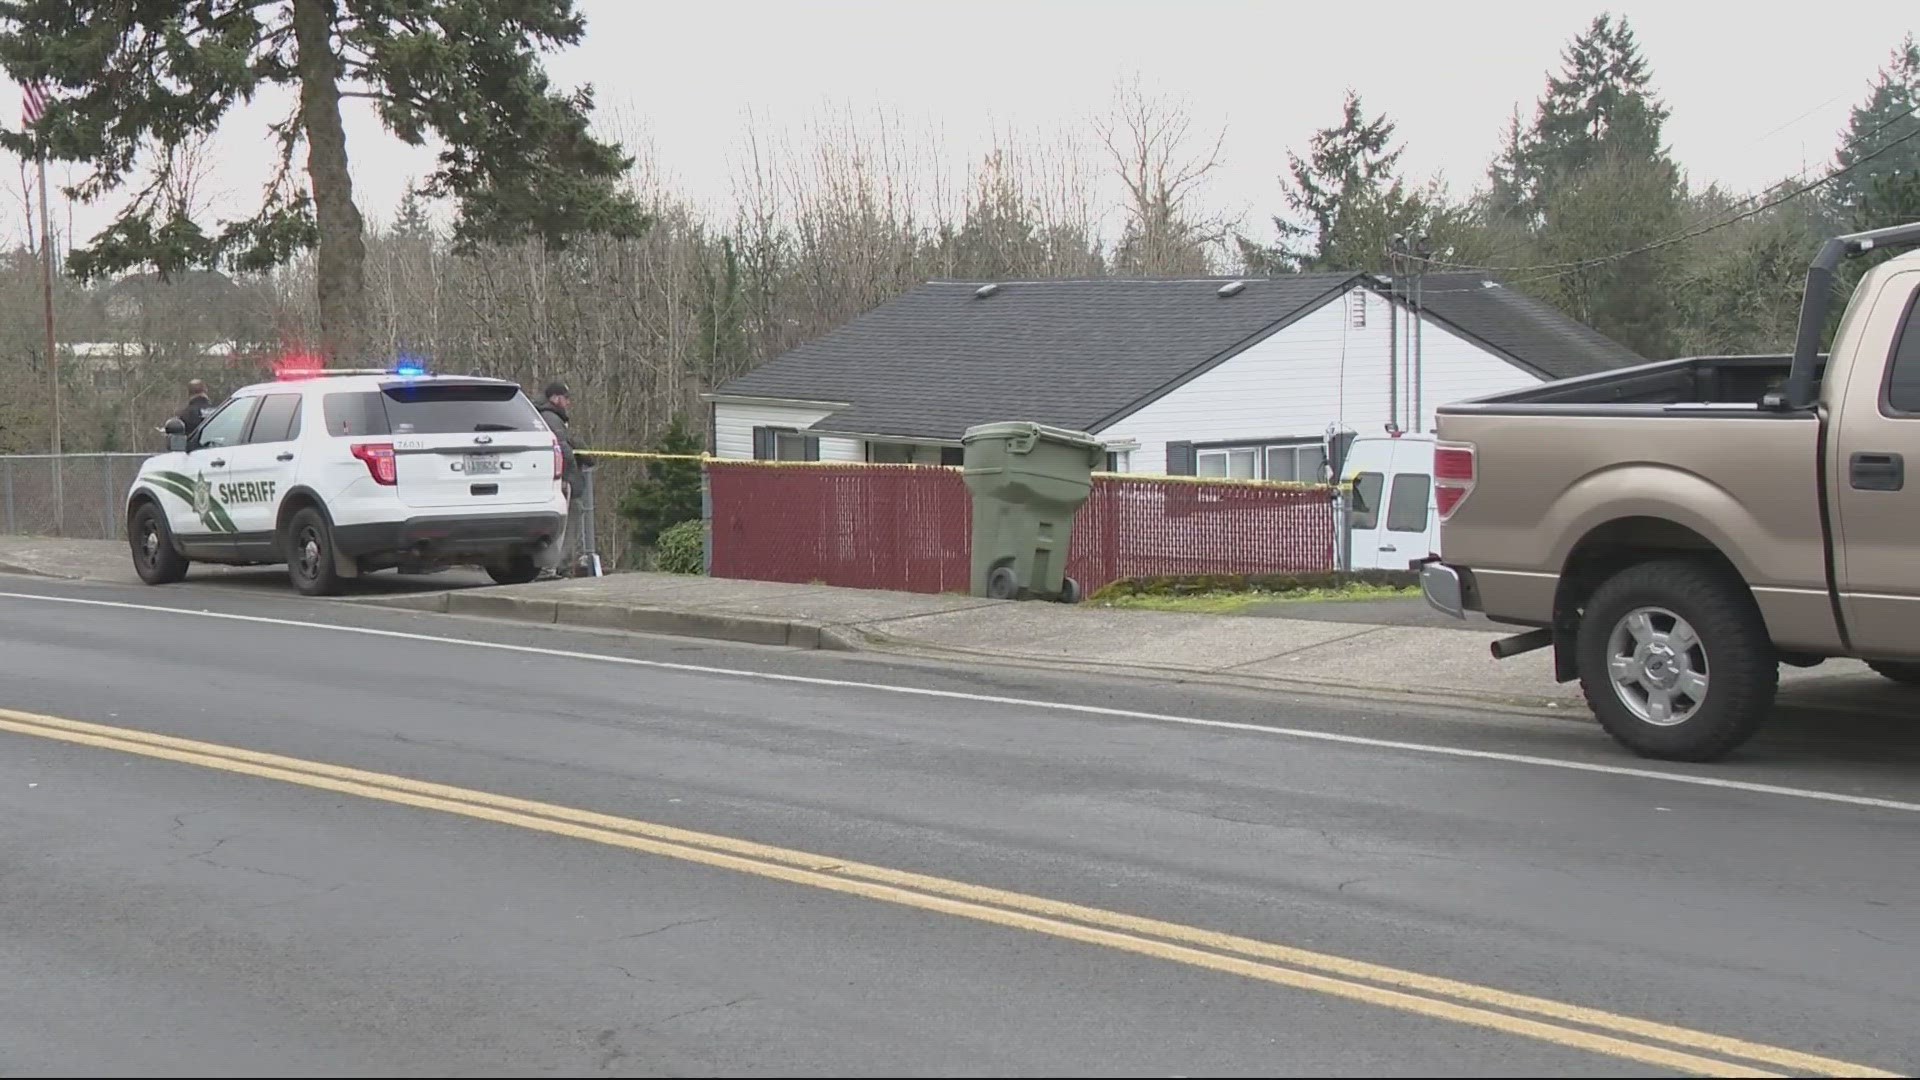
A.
x: 176, y: 430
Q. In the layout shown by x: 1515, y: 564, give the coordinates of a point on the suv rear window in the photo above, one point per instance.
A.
x: 426, y: 409
x: 430, y: 410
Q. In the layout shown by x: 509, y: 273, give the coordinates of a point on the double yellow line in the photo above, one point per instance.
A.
x: 1575, y: 1027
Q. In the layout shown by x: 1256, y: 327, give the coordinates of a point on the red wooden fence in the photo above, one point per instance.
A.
x: 907, y: 527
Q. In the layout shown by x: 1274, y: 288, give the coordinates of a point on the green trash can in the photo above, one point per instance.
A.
x: 1027, y: 481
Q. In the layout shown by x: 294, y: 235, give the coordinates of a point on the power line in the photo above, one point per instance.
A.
x: 1560, y: 269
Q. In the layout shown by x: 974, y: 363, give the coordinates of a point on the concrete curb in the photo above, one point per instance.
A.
x: 742, y: 629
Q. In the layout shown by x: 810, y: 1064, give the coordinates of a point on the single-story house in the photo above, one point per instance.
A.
x: 1211, y: 377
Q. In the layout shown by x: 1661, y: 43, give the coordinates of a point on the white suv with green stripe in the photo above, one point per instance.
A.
x: 339, y: 474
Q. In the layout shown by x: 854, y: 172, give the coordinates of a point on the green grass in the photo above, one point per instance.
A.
x: 1229, y: 603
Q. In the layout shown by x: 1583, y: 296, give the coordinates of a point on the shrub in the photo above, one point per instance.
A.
x: 681, y: 548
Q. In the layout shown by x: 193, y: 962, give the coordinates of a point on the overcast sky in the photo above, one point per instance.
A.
x: 1754, y: 97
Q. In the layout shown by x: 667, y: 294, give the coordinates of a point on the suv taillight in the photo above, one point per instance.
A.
x: 380, y: 463
x: 1454, y: 471
x: 559, y: 461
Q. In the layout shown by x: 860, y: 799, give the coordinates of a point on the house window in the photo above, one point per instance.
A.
x: 1407, y: 504
x: 1302, y: 462
x: 884, y: 453
x: 1306, y: 463
x: 784, y: 444
x: 1119, y: 461
x: 953, y: 455
x: 1233, y: 463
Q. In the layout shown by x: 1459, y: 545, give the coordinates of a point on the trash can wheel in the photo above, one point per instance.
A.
x: 1002, y: 584
x: 1069, y: 591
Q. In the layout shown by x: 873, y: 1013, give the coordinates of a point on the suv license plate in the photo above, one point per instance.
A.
x: 483, y: 464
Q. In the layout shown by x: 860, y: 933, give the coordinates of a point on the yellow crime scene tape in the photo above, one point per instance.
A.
x: 646, y: 455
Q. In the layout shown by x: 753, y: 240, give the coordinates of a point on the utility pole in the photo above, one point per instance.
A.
x: 1423, y: 253
x: 33, y: 106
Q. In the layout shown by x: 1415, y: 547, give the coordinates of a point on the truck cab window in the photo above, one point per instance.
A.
x: 1903, y: 364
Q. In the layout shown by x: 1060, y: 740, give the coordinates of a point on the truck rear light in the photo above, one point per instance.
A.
x: 1454, y: 471
x: 380, y: 463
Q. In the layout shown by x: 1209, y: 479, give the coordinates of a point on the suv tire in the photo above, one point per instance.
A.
x: 515, y: 570
x: 154, y: 556
x: 310, y: 555
x: 1900, y: 671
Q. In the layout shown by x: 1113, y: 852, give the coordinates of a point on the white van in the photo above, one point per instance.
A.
x: 1387, y: 489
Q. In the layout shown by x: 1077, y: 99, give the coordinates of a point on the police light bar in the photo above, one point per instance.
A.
x: 403, y: 369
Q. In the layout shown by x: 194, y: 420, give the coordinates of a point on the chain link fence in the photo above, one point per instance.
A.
x: 77, y: 495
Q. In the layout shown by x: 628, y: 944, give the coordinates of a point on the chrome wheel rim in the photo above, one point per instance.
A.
x: 149, y: 544
x: 1658, y: 666
x: 309, y: 553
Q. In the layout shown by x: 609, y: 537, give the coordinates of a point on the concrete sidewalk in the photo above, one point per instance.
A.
x: 1345, y: 657
x: 1342, y: 657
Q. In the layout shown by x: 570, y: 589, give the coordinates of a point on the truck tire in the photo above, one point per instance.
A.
x: 1675, y: 660
x: 1900, y: 671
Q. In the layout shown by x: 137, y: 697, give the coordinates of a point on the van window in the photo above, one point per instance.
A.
x: 1366, y: 499
x: 1407, y: 505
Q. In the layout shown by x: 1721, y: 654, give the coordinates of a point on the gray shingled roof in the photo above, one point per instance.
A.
x: 1079, y: 354
x: 1531, y: 331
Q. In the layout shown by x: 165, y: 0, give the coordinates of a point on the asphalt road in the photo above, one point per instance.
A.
x: 183, y: 908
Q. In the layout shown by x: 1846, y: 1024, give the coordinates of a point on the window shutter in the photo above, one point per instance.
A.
x: 763, y: 444
x: 1180, y: 459
x: 813, y: 448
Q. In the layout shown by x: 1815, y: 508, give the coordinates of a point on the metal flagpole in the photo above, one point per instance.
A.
x: 34, y: 104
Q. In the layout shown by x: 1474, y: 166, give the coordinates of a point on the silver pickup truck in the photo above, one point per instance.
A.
x: 1676, y: 531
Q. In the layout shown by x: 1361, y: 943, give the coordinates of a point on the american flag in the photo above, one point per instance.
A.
x: 33, y: 102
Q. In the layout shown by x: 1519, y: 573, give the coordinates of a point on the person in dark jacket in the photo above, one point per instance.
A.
x: 556, y: 407
x: 197, y: 406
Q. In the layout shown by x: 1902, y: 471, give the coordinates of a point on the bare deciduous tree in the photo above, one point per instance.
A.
x: 1150, y: 143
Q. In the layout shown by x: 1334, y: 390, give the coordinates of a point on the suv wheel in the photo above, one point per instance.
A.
x: 1675, y: 661
x: 310, y: 555
x: 154, y: 557
x: 517, y: 570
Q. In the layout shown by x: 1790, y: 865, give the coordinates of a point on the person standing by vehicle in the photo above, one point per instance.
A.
x: 556, y: 409
x: 197, y: 406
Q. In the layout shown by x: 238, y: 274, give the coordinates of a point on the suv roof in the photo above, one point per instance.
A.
x: 364, y: 380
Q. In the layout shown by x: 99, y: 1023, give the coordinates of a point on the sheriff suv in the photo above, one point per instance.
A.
x: 338, y: 474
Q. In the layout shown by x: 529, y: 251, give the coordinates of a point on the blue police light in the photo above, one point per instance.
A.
x: 408, y: 365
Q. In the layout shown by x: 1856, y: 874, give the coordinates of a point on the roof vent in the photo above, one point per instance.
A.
x: 1232, y: 288
x: 986, y: 290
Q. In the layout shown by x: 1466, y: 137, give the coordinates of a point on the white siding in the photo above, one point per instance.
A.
x: 1322, y: 370
x: 733, y: 426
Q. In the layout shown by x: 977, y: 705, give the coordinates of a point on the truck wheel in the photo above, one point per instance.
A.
x: 1900, y: 671
x: 1675, y: 661
x: 310, y: 555
x: 154, y: 558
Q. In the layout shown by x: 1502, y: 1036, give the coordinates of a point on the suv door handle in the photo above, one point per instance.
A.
x: 288, y: 456
x: 1387, y: 547
x: 1878, y: 472
x: 218, y: 464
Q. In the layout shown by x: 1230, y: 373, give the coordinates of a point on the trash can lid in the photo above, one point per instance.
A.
x: 1015, y: 429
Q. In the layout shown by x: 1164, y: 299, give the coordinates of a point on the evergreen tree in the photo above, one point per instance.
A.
x: 412, y: 222
x: 670, y: 492
x: 129, y: 79
x: 1880, y: 153
x: 1349, y: 195
x: 1589, y: 179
